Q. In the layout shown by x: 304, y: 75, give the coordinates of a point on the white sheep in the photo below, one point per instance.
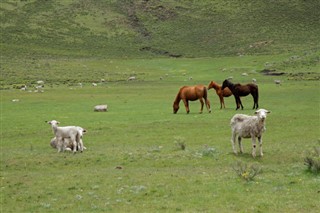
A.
x: 246, y: 126
x: 68, y: 143
x: 101, y: 108
x: 71, y: 132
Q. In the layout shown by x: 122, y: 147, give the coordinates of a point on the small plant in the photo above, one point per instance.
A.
x: 180, y: 143
x: 312, y: 160
x: 246, y: 172
x: 208, y: 151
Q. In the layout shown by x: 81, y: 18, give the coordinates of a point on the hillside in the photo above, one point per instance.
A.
x: 152, y: 28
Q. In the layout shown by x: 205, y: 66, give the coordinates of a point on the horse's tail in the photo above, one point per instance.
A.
x: 178, y: 98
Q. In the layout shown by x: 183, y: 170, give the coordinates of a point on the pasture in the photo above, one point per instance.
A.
x: 134, y: 160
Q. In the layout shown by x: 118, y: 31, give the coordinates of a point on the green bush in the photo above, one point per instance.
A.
x: 312, y: 160
x: 245, y: 171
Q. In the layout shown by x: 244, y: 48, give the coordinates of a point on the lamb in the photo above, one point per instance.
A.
x: 68, y: 143
x: 72, y: 133
x: 245, y: 126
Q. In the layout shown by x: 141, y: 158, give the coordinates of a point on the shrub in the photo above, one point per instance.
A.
x: 208, y: 151
x: 180, y: 143
x: 312, y: 160
x: 246, y: 172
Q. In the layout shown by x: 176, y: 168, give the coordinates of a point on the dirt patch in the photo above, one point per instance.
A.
x: 160, y: 52
x: 305, y: 76
x: 272, y: 72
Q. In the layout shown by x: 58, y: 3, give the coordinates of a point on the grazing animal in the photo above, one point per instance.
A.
x: 101, y: 108
x: 239, y: 90
x: 73, y: 133
x: 68, y: 143
x: 245, y: 126
x: 191, y: 93
x: 221, y: 93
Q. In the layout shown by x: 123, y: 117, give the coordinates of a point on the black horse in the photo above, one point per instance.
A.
x: 239, y: 90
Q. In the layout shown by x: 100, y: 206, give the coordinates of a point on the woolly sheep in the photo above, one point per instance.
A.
x: 131, y: 78
x: 71, y: 132
x: 68, y: 143
x: 101, y: 108
x: 246, y: 126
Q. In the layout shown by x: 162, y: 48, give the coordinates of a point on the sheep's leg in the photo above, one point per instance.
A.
x: 260, y: 144
x: 202, y: 103
x: 60, y: 144
x: 233, y: 142
x: 186, y: 104
x: 240, y: 144
x: 253, y: 146
x: 74, y: 143
x: 80, y: 144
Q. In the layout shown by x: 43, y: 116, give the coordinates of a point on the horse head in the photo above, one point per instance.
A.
x: 175, y: 107
x: 225, y: 84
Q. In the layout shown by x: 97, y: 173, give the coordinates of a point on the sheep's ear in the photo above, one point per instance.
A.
x: 268, y: 111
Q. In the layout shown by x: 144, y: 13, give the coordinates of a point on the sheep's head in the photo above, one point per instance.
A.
x: 53, y: 122
x: 262, y: 114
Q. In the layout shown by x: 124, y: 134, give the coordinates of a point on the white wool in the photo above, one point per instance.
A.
x: 101, y: 108
x: 72, y: 133
x: 246, y: 126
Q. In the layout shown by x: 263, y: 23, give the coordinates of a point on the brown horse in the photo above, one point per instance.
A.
x: 239, y: 90
x: 191, y: 93
x: 221, y: 93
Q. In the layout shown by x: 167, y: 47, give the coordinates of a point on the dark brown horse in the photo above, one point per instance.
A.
x: 239, y: 90
x: 221, y: 93
x: 191, y: 93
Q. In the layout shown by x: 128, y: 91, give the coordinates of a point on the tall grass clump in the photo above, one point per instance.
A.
x: 312, y: 160
x: 180, y: 143
x: 245, y: 171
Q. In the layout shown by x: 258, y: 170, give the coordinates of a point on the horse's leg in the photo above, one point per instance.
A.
x: 255, y: 100
x: 221, y: 101
x: 240, y: 144
x: 260, y: 144
x: 240, y: 103
x: 186, y: 104
x: 201, y: 101
x: 237, y: 102
x: 208, y: 105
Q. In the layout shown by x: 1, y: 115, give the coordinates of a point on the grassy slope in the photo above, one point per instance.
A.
x: 150, y: 28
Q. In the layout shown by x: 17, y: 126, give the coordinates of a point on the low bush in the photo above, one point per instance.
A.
x: 312, y: 160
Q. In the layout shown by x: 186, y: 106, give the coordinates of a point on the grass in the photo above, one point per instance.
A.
x: 133, y: 162
x: 141, y: 157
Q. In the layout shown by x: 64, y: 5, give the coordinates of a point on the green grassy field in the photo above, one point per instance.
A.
x: 141, y: 135
x: 135, y: 161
